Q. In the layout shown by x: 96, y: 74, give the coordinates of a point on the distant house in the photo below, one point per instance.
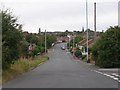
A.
x: 83, y: 43
x: 62, y: 39
x: 91, y: 39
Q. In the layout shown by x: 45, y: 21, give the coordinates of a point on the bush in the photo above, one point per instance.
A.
x: 106, y: 50
x: 78, y: 53
x: 11, y: 37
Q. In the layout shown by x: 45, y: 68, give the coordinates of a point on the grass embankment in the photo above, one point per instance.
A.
x: 22, y: 66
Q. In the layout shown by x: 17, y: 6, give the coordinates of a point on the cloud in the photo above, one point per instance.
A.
x: 56, y: 15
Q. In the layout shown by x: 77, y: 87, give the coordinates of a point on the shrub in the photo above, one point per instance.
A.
x: 78, y: 53
x: 106, y: 50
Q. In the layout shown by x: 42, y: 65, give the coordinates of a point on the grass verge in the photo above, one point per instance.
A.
x: 21, y: 66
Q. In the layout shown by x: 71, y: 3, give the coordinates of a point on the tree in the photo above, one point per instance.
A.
x: 11, y: 37
x: 78, y: 39
x: 50, y: 40
x: 31, y: 38
x: 106, y: 50
x: 24, y: 49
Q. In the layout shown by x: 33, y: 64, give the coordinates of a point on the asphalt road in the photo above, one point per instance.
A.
x: 62, y: 71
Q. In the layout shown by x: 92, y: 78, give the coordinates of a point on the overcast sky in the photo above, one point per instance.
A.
x: 61, y: 15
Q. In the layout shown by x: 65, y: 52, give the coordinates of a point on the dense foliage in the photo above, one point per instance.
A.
x: 11, y: 37
x: 106, y: 50
x: 16, y: 44
x: 77, y: 39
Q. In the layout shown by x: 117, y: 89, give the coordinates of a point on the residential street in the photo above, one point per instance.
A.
x: 63, y: 71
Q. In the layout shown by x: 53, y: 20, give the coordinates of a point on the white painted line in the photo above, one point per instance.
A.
x: 115, y: 74
x: 113, y: 77
x: 98, y: 72
x: 107, y: 75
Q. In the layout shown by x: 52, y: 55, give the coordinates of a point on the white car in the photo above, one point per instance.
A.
x: 63, y: 48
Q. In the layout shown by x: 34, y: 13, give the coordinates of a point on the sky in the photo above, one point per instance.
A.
x: 61, y: 15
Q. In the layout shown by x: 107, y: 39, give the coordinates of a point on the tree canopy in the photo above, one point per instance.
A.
x: 11, y: 37
x: 106, y: 50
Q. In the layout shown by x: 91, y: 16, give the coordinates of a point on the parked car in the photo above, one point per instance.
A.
x: 63, y: 48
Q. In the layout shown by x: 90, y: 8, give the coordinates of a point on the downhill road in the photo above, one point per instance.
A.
x: 62, y: 71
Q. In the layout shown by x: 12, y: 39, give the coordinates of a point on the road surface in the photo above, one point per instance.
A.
x: 63, y: 71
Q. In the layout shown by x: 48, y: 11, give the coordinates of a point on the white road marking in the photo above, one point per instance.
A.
x: 113, y: 77
x: 98, y: 72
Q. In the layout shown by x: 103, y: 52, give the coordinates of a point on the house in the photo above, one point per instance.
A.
x: 63, y: 39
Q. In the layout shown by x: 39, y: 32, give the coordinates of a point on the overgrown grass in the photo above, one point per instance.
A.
x: 22, y: 66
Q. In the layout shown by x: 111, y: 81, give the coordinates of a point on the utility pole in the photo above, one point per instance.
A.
x: 73, y: 43
x: 119, y: 13
x: 87, y: 27
x: 45, y: 43
x: 40, y: 37
x: 73, y: 39
x: 95, y: 21
x: 69, y: 41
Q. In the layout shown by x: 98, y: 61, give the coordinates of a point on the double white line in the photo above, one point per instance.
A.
x: 113, y: 76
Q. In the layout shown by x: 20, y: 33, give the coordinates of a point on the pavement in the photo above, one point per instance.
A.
x: 62, y: 70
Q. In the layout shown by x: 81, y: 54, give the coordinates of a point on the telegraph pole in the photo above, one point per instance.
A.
x: 95, y: 21
x: 87, y: 27
x: 73, y: 39
x: 40, y: 37
x: 45, y: 43
x: 119, y: 13
x: 73, y: 43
